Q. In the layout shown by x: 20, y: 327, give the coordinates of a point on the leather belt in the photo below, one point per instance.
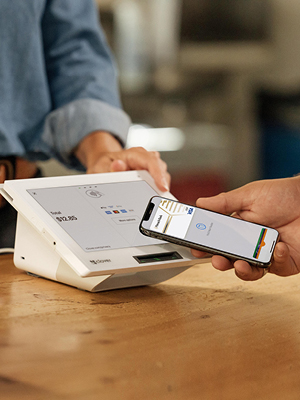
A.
x: 9, y: 165
x: 17, y: 168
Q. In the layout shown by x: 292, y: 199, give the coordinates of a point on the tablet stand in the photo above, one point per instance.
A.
x: 37, y: 255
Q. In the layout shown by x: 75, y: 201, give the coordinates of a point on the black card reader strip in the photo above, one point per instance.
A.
x: 159, y: 257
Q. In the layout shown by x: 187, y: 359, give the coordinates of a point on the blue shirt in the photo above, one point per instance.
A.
x: 58, y: 82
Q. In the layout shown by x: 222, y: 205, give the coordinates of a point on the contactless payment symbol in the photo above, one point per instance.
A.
x: 94, y: 193
x: 201, y: 226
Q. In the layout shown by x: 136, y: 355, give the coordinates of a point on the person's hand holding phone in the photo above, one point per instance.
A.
x: 209, y: 231
x: 275, y: 203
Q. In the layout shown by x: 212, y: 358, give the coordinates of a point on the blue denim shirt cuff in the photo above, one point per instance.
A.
x: 67, y: 126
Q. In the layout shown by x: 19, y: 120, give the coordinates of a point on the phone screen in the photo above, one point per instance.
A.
x: 212, y: 230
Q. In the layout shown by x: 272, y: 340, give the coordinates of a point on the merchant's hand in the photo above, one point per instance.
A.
x: 101, y: 152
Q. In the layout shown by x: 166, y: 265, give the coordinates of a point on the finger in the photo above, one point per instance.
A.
x: 118, y: 166
x: 134, y: 159
x: 139, y: 158
x: 198, y: 253
x: 283, y: 264
x: 221, y: 263
x: 243, y: 270
x: 103, y: 164
x: 226, y: 203
x: 246, y: 272
x: 157, y: 169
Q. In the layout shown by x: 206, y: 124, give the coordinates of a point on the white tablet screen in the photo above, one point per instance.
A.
x: 99, y: 217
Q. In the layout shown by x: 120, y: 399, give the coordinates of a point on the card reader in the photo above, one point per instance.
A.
x: 83, y: 231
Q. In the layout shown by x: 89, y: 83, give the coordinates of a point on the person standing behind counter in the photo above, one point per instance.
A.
x: 59, y: 96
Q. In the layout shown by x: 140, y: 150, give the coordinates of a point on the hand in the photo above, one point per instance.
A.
x: 274, y: 203
x: 101, y: 152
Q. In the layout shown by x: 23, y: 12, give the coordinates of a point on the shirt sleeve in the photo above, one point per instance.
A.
x: 82, y: 78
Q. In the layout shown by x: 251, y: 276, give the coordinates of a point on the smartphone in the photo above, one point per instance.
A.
x: 209, y: 231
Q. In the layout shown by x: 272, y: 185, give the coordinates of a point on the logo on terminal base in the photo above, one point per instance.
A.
x: 95, y: 262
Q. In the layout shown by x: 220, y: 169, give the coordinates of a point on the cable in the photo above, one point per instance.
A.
x: 6, y: 250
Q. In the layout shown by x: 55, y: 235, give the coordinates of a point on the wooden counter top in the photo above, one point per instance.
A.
x: 202, y: 335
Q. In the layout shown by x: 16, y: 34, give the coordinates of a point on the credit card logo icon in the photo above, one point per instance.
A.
x: 260, y: 243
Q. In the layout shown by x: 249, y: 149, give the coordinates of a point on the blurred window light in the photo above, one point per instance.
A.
x: 155, y: 139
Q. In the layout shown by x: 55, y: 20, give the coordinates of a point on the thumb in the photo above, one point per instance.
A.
x: 106, y: 164
x: 225, y: 203
x: 118, y: 166
x: 283, y: 264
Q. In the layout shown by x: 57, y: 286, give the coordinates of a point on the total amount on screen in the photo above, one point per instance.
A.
x: 66, y: 219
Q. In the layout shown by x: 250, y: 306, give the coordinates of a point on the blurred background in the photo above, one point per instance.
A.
x: 214, y: 85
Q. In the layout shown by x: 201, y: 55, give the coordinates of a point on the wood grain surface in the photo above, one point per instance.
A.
x: 202, y: 335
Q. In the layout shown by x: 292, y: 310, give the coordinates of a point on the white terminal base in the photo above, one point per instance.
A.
x: 34, y: 254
